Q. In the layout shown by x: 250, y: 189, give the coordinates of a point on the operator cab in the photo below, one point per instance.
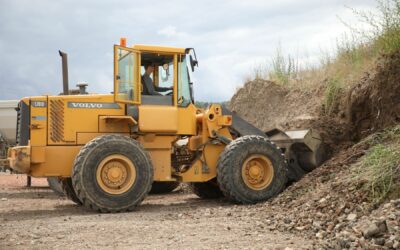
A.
x: 153, y: 75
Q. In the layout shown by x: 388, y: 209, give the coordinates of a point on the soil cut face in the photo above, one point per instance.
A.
x: 374, y: 103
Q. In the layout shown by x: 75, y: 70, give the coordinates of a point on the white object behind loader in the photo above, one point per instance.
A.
x: 8, y: 120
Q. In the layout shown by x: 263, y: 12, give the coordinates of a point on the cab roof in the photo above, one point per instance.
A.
x: 161, y: 49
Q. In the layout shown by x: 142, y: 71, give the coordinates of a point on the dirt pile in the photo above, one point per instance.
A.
x: 268, y: 105
x: 331, y: 206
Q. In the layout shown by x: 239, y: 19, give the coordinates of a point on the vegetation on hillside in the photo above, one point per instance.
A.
x: 204, y: 105
x: 380, y: 167
x: 356, y: 52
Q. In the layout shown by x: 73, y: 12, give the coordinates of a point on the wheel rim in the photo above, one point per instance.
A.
x: 257, y: 172
x: 116, y: 174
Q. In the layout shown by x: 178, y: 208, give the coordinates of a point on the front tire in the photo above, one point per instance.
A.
x: 112, y: 173
x: 251, y: 169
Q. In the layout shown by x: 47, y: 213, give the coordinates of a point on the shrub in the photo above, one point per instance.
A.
x: 380, y: 168
x: 331, y: 94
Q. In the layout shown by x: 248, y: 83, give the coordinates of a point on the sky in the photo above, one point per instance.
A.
x: 231, y: 38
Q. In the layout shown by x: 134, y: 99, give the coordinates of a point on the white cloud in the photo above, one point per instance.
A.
x: 167, y: 31
x: 230, y: 37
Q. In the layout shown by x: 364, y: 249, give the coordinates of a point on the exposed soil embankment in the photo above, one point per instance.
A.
x: 374, y: 103
x: 357, y: 111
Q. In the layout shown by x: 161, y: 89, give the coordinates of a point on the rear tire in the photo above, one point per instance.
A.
x: 251, y: 169
x: 112, y: 173
x: 55, y: 185
x: 163, y: 187
x: 207, y: 190
x: 68, y: 189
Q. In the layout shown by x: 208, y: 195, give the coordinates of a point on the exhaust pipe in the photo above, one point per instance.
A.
x: 64, y: 60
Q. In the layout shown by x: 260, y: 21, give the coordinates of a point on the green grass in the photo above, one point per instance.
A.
x: 283, y: 68
x: 332, y: 91
x: 390, y: 134
x: 380, y: 168
x: 383, y: 26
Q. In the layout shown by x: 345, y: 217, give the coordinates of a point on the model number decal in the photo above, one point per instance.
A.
x: 93, y: 105
x: 39, y: 104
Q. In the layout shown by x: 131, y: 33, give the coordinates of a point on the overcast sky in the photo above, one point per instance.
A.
x: 231, y: 37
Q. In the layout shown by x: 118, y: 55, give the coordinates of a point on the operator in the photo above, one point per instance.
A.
x: 148, y: 86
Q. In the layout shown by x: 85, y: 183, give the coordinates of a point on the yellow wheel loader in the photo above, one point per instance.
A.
x: 109, y: 150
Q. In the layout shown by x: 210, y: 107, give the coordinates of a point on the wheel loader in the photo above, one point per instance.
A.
x: 109, y: 150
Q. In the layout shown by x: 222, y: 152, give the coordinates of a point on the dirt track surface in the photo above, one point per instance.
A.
x: 37, y: 218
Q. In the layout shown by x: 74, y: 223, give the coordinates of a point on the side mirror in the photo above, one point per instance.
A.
x: 193, y: 63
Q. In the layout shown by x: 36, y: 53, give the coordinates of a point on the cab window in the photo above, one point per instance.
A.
x: 157, y: 79
x: 157, y: 74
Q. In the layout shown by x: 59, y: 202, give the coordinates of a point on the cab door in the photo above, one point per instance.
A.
x: 159, y: 114
x: 127, y: 79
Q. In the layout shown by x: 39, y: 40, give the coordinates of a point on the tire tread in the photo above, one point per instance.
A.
x: 225, y: 178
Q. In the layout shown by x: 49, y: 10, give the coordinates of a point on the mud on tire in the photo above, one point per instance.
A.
x: 89, y: 188
x: 206, y: 190
x: 232, y: 161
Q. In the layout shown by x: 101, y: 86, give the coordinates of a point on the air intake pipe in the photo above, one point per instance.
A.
x: 64, y: 60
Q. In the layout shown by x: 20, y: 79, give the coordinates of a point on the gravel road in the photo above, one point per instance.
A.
x: 37, y: 218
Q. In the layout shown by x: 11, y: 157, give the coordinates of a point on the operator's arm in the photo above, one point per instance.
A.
x: 162, y: 89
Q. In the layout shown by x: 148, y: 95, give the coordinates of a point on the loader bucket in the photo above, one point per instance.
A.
x: 304, y: 149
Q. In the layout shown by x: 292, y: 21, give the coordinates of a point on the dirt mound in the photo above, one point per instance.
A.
x: 268, y: 105
x: 330, y: 206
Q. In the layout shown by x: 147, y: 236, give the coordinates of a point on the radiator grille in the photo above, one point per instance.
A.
x: 23, y: 124
x: 18, y: 132
x: 57, y: 121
